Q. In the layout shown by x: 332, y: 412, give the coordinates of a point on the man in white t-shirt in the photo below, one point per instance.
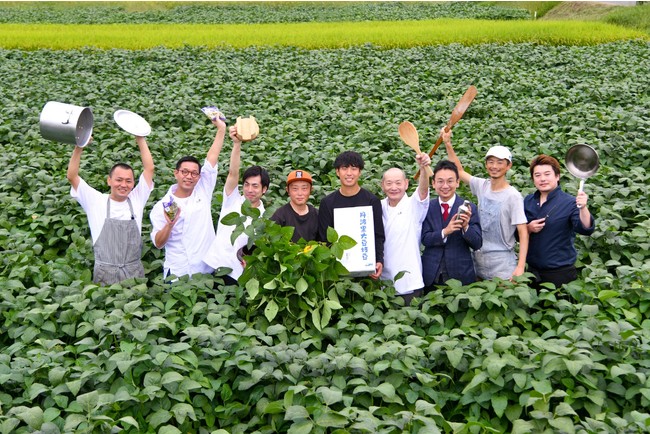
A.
x: 501, y: 211
x: 222, y: 252
x: 186, y: 230
x: 403, y: 216
x: 115, y: 219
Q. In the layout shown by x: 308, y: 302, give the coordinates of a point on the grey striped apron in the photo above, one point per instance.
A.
x: 118, y: 249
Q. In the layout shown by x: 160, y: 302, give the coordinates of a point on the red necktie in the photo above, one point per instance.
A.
x: 445, y: 212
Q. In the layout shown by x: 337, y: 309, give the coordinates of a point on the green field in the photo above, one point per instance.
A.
x: 392, y: 34
x: 147, y: 356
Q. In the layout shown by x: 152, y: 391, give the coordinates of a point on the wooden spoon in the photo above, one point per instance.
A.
x: 409, y: 135
x: 456, y: 114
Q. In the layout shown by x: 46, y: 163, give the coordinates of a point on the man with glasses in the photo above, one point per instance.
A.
x: 182, y: 219
x: 450, y: 232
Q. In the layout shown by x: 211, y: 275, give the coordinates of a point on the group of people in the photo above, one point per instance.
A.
x: 419, y: 243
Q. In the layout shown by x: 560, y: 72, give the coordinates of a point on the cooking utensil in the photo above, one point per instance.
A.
x: 582, y: 162
x: 247, y: 129
x: 409, y: 135
x: 456, y: 114
x: 66, y: 123
x: 132, y: 123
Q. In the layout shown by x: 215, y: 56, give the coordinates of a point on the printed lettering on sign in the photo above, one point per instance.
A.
x: 358, y: 224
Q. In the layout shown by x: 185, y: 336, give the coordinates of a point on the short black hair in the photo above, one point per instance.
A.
x: 349, y: 159
x: 257, y: 171
x: 121, y: 166
x: 188, y: 158
x: 447, y: 165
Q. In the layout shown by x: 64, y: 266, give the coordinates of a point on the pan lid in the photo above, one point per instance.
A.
x: 582, y: 161
x: 132, y: 123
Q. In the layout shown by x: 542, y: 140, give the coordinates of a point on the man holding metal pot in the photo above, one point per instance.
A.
x: 115, y: 218
x: 554, y: 218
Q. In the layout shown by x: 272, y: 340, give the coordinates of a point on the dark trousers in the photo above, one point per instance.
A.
x: 556, y: 276
x: 227, y: 281
x: 408, y: 298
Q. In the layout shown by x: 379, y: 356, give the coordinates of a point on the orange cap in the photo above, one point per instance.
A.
x: 298, y: 175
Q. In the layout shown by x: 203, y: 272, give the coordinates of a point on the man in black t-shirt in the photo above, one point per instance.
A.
x: 349, y: 165
x: 298, y: 213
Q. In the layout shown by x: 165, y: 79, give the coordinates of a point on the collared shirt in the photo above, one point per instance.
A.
x: 553, y: 247
x: 442, y: 211
x: 403, y: 226
x: 192, y: 235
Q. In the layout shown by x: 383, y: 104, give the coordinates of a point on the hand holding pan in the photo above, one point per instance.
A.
x: 582, y: 162
x: 456, y: 114
x: 409, y: 135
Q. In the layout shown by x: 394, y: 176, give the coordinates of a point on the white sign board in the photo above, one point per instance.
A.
x: 357, y: 223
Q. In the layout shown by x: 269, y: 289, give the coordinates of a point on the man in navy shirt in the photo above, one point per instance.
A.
x: 554, y: 217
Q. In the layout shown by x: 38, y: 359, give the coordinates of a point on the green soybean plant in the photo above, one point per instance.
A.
x: 300, y: 284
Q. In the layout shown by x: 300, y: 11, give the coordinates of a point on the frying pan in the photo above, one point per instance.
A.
x: 582, y: 162
x: 409, y: 135
x: 456, y: 114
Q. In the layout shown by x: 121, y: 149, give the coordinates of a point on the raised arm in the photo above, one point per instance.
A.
x: 233, y: 172
x: 73, y: 167
x: 451, y: 154
x: 147, y: 160
x: 423, y: 161
x: 217, y: 144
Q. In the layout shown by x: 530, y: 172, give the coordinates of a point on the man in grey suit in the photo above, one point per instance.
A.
x: 447, y: 234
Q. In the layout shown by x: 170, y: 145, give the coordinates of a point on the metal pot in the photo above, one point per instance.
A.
x: 66, y: 123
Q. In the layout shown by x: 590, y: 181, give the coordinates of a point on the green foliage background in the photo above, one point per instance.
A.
x: 247, y: 12
x: 147, y: 357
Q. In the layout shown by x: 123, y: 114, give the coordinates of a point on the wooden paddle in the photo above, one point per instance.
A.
x: 456, y: 114
x: 409, y: 135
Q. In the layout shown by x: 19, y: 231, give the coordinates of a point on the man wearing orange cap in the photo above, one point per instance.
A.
x: 298, y: 213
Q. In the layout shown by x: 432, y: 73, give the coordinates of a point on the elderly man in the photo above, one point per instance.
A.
x: 403, y: 216
x: 115, y: 218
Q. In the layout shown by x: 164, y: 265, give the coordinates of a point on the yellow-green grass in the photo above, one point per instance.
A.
x: 387, y: 34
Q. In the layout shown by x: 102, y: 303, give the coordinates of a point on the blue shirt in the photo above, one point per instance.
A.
x: 553, y: 247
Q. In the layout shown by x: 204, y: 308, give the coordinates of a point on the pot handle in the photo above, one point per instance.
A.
x: 69, y: 113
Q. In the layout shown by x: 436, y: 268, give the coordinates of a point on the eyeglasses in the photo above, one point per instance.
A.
x: 185, y: 172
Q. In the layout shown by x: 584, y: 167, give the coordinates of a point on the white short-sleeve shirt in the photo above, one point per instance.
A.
x: 403, y: 226
x: 192, y: 235
x: 94, y: 204
x: 223, y: 253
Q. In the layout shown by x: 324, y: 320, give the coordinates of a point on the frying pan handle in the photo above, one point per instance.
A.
x: 581, y: 188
